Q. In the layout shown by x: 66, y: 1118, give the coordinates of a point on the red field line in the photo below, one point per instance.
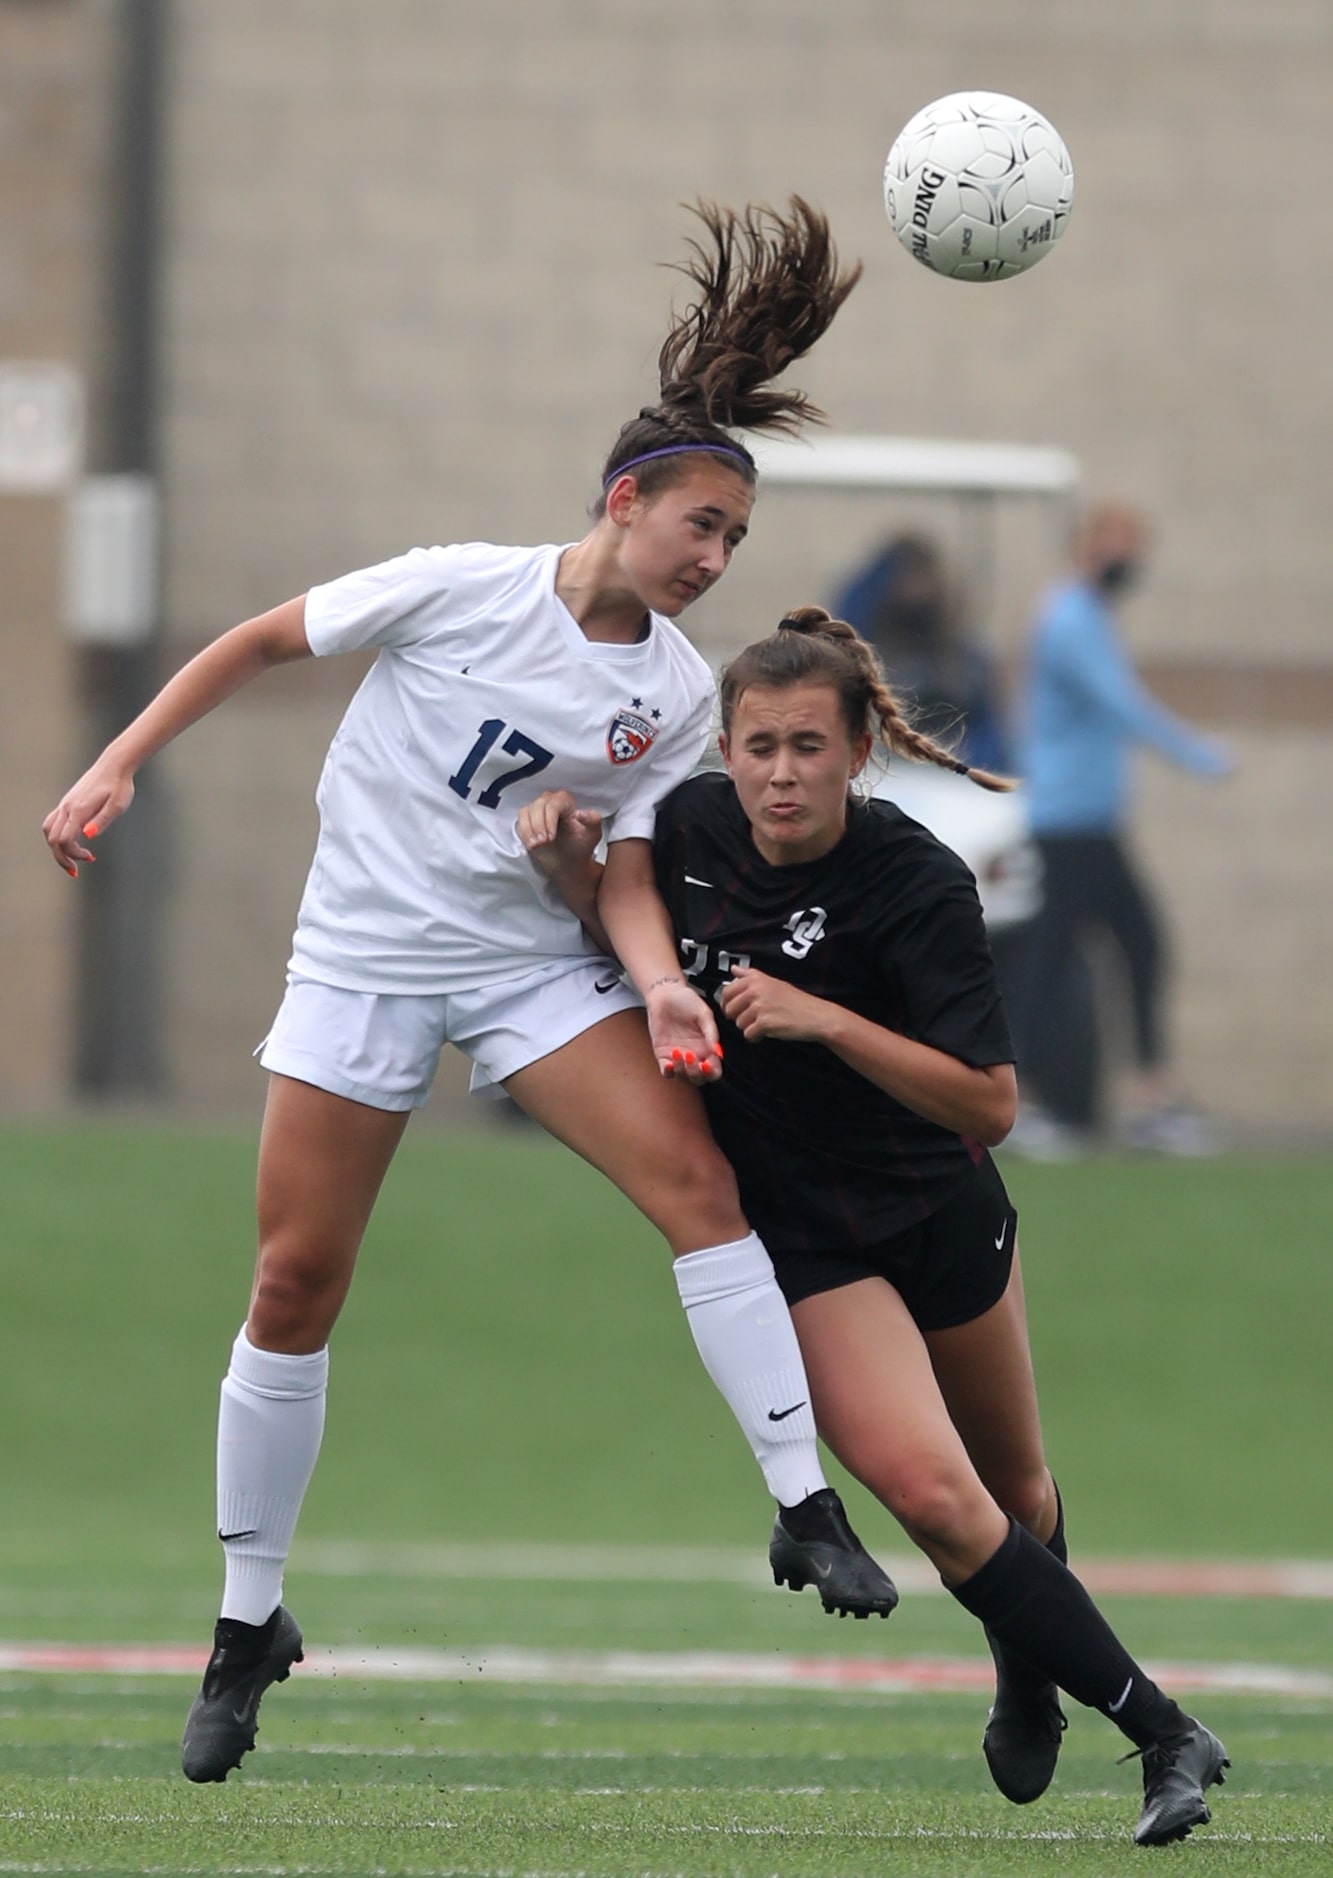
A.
x: 1208, y: 1578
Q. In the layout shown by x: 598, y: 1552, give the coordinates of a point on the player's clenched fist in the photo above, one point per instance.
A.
x: 760, y: 1006
x: 557, y: 833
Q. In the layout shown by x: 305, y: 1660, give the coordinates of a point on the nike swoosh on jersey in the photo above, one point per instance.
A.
x: 999, y: 1243
x: 692, y: 881
x: 603, y: 985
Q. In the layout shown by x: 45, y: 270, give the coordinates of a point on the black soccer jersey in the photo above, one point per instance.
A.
x: 887, y: 924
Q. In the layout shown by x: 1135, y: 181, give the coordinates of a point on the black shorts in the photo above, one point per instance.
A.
x: 947, y: 1270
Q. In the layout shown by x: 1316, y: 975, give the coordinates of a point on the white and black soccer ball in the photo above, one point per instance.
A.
x: 978, y: 186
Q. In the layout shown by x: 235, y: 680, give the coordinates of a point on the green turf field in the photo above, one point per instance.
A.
x: 513, y: 1369
x: 429, y: 1780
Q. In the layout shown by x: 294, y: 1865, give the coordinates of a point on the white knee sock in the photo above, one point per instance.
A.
x: 269, y: 1426
x: 743, y: 1331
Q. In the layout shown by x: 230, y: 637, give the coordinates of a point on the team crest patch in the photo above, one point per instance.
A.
x: 629, y: 736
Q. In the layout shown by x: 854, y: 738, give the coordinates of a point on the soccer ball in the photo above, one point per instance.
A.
x: 978, y: 186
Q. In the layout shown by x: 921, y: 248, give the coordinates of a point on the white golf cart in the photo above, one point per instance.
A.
x: 989, y: 831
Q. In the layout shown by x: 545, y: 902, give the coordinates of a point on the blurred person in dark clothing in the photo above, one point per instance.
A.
x: 903, y: 601
x: 1085, y: 711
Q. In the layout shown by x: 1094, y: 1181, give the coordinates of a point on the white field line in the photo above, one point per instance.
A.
x: 639, y: 1669
x: 643, y: 1564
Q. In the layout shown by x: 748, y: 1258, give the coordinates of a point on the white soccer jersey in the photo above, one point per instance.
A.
x: 485, y: 693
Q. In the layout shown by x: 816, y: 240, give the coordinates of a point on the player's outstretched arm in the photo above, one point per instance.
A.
x: 106, y: 790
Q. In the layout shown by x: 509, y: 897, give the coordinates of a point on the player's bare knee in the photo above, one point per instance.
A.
x: 1030, y: 1499
x: 704, y: 1206
x: 293, y: 1298
x: 934, y: 1509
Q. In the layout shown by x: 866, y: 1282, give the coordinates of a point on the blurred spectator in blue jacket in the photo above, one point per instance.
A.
x: 903, y: 602
x: 1084, y: 712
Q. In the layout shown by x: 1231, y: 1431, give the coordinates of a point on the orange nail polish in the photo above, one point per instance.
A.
x: 676, y: 1056
x: 719, y: 1052
x: 90, y: 829
x: 689, y: 1058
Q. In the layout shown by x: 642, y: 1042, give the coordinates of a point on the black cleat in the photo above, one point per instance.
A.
x: 1177, y: 1773
x: 813, y: 1544
x: 223, y: 1718
x: 1022, y: 1738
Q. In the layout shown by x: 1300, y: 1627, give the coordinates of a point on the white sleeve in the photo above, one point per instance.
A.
x: 658, y: 772
x: 377, y: 606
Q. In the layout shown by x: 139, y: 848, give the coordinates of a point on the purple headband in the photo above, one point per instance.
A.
x: 678, y: 449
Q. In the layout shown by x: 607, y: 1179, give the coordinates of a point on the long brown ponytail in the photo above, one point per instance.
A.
x: 768, y: 284
x: 811, y: 647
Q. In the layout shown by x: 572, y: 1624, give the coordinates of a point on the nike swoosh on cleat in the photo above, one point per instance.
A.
x: 780, y: 1415
x: 249, y: 1533
x: 825, y: 1570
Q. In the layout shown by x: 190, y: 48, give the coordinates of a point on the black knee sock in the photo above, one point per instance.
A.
x: 1034, y: 1606
x: 1056, y: 1543
x: 1019, y: 1676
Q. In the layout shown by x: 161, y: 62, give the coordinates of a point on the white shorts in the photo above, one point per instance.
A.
x: 383, y: 1048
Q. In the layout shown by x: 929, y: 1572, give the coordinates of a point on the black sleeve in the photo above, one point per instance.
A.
x: 943, y: 962
x: 668, y: 840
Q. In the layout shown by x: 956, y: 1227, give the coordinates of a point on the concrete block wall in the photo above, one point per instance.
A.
x: 53, y: 78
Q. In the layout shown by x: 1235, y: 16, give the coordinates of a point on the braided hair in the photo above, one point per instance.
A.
x: 810, y: 647
x: 768, y: 284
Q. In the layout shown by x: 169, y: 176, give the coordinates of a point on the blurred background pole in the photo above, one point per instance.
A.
x: 119, y: 1042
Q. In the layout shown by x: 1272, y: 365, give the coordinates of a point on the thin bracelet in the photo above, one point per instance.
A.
x: 673, y: 980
